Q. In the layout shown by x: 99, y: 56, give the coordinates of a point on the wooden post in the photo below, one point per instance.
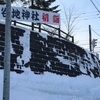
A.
x: 90, y: 38
x: 39, y: 27
x: 14, y: 23
x: 59, y: 31
x: 32, y: 26
x: 72, y: 39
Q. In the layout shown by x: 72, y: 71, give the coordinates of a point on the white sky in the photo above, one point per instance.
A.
x: 88, y: 16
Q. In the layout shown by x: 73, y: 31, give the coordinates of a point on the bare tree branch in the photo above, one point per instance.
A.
x: 70, y: 20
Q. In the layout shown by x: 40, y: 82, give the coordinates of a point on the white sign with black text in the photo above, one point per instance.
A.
x: 31, y: 15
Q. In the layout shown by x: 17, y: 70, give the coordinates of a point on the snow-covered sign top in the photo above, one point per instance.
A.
x: 31, y: 15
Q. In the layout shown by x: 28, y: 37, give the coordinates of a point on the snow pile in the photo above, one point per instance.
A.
x: 28, y: 86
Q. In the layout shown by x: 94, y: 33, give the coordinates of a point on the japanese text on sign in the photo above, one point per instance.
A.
x: 31, y: 15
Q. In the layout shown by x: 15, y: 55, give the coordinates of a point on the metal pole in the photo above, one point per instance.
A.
x: 90, y: 38
x: 6, y: 87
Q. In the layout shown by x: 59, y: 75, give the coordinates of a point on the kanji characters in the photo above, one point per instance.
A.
x: 3, y: 12
x: 16, y: 13
x: 32, y: 15
x: 35, y: 16
x: 25, y: 14
x: 56, y: 19
x: 45, y: 17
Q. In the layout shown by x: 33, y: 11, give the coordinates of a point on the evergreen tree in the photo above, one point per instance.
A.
x: 2, y: 2
x: 37, y: 4
x: 44, y: 5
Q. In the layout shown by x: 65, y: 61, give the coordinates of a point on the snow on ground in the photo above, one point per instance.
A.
x: 29, y: 86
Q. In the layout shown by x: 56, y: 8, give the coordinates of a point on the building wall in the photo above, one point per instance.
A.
x: 43, y: 53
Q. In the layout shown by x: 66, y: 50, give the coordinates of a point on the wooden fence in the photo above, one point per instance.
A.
x: 48, y: 29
